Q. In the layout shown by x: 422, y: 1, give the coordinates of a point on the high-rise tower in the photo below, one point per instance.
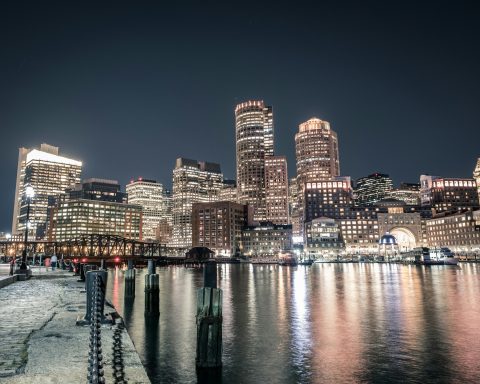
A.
x: 50, y: 175
x: 316, y: 150
x: 476, y: 176
x: 193, y: 182
x: 254, y: 143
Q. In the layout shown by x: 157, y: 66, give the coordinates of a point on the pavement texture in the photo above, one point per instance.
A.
x: 39, y: 341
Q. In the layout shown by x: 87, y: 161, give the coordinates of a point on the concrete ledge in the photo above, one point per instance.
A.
x: 7, y: 280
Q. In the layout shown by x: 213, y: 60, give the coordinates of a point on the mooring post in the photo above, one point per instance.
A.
x: 209, y: 320
x: 94, y: 297
x: 77, y: 269
x: 130, y: 280
x: 82, y: 272
x: 152, y: 289
x: 87, y: 268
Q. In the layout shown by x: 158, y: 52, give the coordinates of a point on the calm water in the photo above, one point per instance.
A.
x: 328, y: 323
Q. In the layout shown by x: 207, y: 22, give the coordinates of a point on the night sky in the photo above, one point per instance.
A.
x: 127, y: 87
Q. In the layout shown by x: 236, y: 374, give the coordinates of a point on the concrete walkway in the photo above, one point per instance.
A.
x: 39, y: 341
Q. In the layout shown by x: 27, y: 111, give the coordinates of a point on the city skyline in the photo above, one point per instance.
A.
x: 124, y: 117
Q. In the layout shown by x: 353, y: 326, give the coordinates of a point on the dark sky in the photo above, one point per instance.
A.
x: 127, y: 87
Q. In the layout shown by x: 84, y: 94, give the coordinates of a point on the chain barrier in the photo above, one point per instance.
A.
x: 118, y: 363
x: 95, y: 357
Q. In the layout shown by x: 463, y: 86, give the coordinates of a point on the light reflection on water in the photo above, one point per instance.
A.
x: 329, y: 323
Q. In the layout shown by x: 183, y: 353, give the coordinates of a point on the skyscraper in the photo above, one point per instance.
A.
x: 276, y: 190
x: 150, y: 195
x: 372, y: 188
x: 50, y: 175
x: 254, y: 143
x: 316, y: 150
x: 193, y: 182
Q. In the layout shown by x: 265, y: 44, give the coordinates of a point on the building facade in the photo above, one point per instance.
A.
x: 150, y: 195
x: 229, y: 191
x: 409, y: 193
x: 448, y: 194
x: 266, y: 239
x: 193, y: 182
x: 49, y: 174
x: 458, y: 231
x: 331, y: 198
x: 254, y: 143
x: 276, y: 190
x: 218, y: 226
x: 372, y: 188
x: 96, y: 206
x: 323, y: 239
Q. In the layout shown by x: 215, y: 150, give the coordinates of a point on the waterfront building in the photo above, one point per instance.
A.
x: 276, y: 189
x: 360, y: 235
x: 218, y: 226
x: 254, y: 143
x: 476, y: 176
x: 404, y: 224
x: 193, y: 182
x: 150, y: 195
x: 164, y: 231
x: 448, y: 194
x: 331, y: 198
x: 372, y: 188
x: 49, y: 174
x: 96, y: 206
x: 407, y: 192
x: 266, y: 239
x: 459, y: 231
x: 229, y: 191
x: 323, y: 239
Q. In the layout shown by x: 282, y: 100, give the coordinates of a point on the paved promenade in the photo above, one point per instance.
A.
x: 39, y: 341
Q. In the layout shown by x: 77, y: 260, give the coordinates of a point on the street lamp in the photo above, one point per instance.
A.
x: 29, y: 194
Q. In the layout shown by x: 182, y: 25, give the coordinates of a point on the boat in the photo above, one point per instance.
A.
x: 306, y: 262
x: 287, y: 258
x: 440, y: 256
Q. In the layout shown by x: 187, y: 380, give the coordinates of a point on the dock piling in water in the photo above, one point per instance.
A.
x: 209, y: 320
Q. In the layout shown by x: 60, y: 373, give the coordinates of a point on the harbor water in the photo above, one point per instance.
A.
x: 328, y: 323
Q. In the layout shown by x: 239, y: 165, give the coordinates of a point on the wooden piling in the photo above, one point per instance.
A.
x: 130, y: 283
x: 152, y: 289
x: 209, y: 320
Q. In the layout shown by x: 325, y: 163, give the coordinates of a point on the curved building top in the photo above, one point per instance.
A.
x: 314, y: 123
x: 249, y: 103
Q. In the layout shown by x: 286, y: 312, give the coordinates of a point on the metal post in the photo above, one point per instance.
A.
x: 151, y: 267
x: 90, y: 283
x: 23, y: 266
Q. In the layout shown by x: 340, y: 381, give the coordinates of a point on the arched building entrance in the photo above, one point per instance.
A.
x: 405, y: 238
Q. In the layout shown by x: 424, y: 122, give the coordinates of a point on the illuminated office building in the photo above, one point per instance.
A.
x: 276, y: 189
x: 193, y: 182
x: 448, y: 194
x: 372, y: 188
x: 254, y: 143
x: 218, y: 226
x: 96, y: 206
x: 409, y: 193
x: 458, y: 231
x: 328, y: 198
x: 323, y: 239
x: 229, y: 191
x: 50, y: 175
x: 317, y: 157
x: 266, y: 239
x: 150, y: 195
x: 294, y: 210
